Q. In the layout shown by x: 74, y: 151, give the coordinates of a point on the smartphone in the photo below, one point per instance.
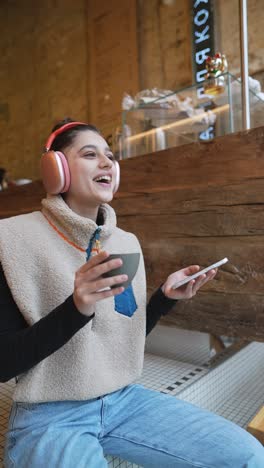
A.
x: 199, y: 273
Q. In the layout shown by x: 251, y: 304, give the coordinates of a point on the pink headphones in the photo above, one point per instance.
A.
x: 55, y: 171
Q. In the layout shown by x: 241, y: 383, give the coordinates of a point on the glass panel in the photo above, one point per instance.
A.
x: 196, y: 113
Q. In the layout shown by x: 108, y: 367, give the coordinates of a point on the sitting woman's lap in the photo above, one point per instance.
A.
x: 137, y: 424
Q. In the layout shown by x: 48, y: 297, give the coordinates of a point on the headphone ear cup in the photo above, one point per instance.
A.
x: 117, y: 181
x: 55, y: 172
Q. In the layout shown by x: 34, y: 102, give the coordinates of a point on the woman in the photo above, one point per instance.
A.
x: 76, y: 339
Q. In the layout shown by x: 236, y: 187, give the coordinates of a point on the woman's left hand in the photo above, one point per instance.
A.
x: 188, y: 290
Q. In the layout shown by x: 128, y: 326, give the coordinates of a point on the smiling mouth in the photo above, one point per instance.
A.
x: 104, y: 180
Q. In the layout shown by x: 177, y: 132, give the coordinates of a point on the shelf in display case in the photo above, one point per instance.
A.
x: 189, y: 115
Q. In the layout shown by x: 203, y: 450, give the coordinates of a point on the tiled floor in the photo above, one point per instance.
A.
x: 231, y: 387
x: 6, y: 390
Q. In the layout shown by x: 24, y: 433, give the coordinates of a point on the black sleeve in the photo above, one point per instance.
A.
x: 158, y: 305
x: 23, y: 346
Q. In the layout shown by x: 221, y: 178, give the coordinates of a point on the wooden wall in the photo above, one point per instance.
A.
x: 113, y: 59
x: 227, y: 21
x: 194, y: 204
x: 165, y: 40
x: 43, y: 76
x: 77, y: 57
x: 164, y: 44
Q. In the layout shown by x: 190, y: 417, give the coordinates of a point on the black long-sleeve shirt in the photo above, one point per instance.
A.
x: 23, y: 346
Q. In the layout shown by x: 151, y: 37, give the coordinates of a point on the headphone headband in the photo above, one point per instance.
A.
x: 60, y: 130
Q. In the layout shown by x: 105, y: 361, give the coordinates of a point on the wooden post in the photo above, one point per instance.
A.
x: 256, y: 426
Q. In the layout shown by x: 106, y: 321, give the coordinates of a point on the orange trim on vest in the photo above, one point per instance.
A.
x: 63, y: 236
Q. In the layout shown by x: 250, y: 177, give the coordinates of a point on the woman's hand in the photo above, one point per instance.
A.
x: 188, y: 290
x: 89, y: 282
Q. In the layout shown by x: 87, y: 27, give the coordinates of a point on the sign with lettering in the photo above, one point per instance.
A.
x: 202, y: 46
x: 203, y: 36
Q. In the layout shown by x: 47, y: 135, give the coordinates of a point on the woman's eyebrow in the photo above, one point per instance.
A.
x: 94, y: 148
x: 88, y: 146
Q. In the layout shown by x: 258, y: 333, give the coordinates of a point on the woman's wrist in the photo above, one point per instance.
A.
x: 82, y: 308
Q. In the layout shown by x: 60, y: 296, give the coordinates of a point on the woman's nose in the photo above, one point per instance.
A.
x: 105, y: 161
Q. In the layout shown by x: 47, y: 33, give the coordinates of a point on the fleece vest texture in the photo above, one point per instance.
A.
x: 40, y: 265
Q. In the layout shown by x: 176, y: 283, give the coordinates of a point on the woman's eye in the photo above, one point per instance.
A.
x: 91, y: 154
x: 110, y: 156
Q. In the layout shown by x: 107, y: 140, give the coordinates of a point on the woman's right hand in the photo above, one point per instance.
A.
x: 89, y: 282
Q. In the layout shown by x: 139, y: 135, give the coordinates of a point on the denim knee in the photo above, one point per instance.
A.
x: 251, y: 455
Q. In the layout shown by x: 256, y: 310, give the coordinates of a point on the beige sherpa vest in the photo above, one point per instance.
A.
x: 39, y: 265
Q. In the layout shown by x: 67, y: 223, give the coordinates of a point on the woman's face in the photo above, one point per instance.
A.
x: 93, y: 173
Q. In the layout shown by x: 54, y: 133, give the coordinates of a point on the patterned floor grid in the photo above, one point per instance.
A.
x: 6, y: 390
x: 232, y: 387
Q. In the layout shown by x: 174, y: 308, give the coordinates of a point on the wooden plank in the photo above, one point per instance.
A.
x: 183, y: 200
x: 113, y: 59
x: 221, y: 314
x: 221, y: 221
x: 256, y: 425
x: 227, y: 26
x: 243, y: 274
x: 226, y: 160
x: 165, y: 46
x: 21, y: 199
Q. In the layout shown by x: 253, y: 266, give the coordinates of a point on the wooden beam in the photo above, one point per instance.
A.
x: 256, y: 425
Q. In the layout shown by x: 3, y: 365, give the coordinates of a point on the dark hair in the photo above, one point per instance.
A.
x: 66, y: 138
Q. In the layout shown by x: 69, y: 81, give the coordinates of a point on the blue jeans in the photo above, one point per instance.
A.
x: 140, y: 425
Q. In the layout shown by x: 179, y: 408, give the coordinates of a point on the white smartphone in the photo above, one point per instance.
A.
x: 199, y: 273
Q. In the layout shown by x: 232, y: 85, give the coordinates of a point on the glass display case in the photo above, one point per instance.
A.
x: 196, y: 113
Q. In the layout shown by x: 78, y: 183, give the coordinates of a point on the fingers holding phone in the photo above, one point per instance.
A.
x: 203, y: 279
x: 190, y: 276
x: 185, y: 283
